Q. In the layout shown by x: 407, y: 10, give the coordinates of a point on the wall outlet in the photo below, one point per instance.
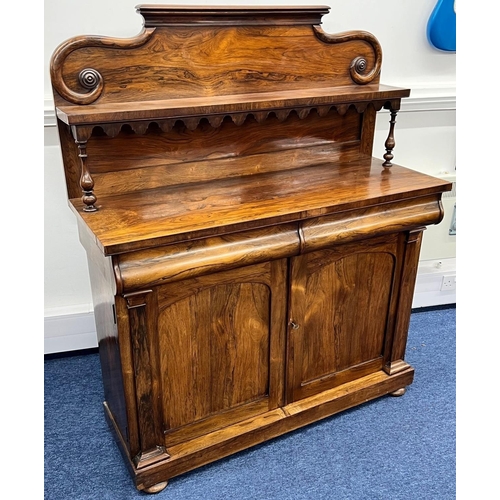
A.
x: 449, y: 283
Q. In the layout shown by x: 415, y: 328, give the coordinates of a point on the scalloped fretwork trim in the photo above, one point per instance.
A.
x: 191, y: 123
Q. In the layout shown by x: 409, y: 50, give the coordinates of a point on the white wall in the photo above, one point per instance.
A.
x: 425, y: 138
x: 399, y: 25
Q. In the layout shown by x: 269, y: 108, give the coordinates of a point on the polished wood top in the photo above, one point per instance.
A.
x: 160, y: 216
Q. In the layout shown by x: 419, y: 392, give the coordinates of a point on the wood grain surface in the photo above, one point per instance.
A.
x: 182, y: 62
x: 184, y: 156
x: 331, y: 345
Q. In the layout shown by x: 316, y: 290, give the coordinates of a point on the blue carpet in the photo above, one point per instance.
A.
x: 387, y: 449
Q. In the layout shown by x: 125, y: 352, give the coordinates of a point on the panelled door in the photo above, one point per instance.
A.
x: 341, y: 304
x: 221, y: 347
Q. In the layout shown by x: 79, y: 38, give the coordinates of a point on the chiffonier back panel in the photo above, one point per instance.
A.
x: 233, y: 88
x: 196, y: 61
x: 157, y: 158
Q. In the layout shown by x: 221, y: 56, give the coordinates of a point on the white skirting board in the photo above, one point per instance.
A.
x: 73, y: 332
x: 69, y: 332
x: 428, y: 287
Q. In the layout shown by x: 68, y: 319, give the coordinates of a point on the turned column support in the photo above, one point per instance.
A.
x: 390, y: 143
x: 81, y: 136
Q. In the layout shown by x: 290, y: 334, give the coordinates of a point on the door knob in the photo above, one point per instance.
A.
x: 294, y: 325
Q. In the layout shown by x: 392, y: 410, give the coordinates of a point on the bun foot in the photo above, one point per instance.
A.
x: 399, y: 392
x: 156, y: 488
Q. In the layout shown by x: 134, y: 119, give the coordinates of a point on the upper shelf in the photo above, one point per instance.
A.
x: 222, y: 105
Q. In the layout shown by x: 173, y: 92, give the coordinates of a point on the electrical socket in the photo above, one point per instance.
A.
x: 449, y: 283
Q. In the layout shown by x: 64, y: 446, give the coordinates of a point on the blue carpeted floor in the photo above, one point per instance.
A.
x: 388, y: 449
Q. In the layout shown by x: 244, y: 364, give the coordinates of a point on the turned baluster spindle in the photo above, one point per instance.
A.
x: 86, y: 181
x: 390, y: 142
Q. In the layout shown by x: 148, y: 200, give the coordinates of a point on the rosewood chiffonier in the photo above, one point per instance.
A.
x: 252, y: 264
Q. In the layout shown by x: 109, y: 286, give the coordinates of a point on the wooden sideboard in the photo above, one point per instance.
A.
x: 252, y: 264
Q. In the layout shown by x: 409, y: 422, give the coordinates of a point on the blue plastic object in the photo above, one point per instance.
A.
x: 442, y: 26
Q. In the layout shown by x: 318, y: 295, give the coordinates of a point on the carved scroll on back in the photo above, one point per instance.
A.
x: 186, y: 61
